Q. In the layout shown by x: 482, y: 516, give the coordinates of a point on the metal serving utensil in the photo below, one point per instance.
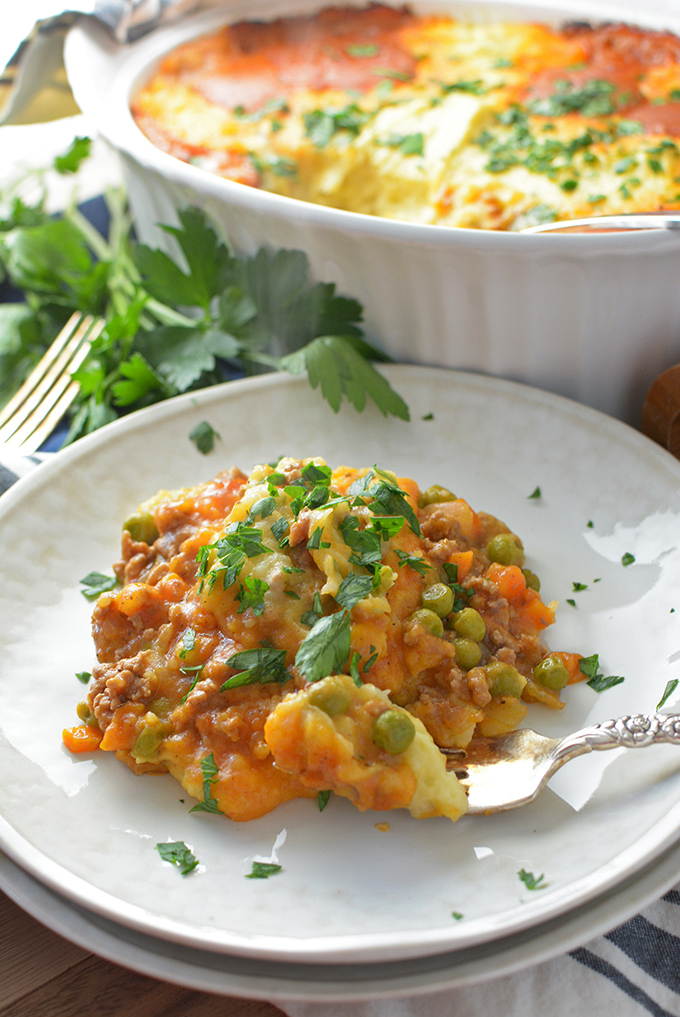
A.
x: 511, y: 770
x: 611, y: 223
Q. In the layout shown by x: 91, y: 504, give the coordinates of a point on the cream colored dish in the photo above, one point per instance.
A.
x: 591, y: 317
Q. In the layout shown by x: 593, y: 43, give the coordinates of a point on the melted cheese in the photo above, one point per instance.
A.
x: 428, y: 119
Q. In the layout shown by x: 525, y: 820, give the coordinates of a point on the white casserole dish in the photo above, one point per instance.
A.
x: 595, y: 317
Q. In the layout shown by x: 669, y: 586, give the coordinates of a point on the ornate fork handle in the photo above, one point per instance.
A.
x: 633, y: 732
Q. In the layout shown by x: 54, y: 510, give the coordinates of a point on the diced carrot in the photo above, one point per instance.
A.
x: 122, y: 731
x: 532, y: 614
x: 508, y: 580
x: 344, y: 477
x: 571, y: 662
x: 463, y: 559
x: 411, y: 490
x: 81, y: 738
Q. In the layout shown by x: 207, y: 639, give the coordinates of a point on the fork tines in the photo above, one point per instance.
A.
x: 31, y: 415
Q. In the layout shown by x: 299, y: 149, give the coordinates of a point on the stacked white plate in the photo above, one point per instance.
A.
x: 355, y: 911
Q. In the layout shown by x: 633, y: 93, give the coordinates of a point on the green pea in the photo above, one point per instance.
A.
x: 438, y: 598
x: 86, y: 715
x: 532, y: 580
x: 393, y: 731
x: 147, y: 741
x: 434, y: 495
x: 551, y: 673
x: 430, y: 621
x: 504, y: 680
x: 505, y: 549
x: 142, y: 526
x: 468, y: 653
x: 332, y: 699
x: 469, y: 624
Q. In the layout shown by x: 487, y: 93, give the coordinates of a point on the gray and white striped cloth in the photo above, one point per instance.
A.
x: 632, y: 971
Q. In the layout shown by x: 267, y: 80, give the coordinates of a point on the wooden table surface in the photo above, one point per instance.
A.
x: 43, y: 975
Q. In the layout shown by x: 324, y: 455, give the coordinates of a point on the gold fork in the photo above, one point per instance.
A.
x: 511, y: 770
x: 35, y: 410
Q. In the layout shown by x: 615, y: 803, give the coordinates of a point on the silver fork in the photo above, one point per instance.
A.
x: 35, y: 410
x: 511, y: 770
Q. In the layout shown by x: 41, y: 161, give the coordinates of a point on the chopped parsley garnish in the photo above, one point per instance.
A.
x: 251, y: 595
x: 590, y: 667
x: 531, y: 881
x: 196, y: 672
x: 263, y: 870
x: 461, y: 595
x: 188, y: 641
x: 408, y: 144
x: 365, y: 544
x: 571, y: 601
x: 418, y: 565
x: 322, y: 124
x: 276, y: 164
x: 323, y: 798
x: 314, y: 543
x: 370, y: 49
x: 594, y: 98
x: 579, y: 586
x: 276, y: 105
x: 671, y: 686
x: 96, y: 583
x: 352, y: 589
x: 177, y: 853
x: 457, y: 915
x: 627, y: 558
x: 536, y: 493
x: 264, y: 664
x: 475, y: 87
x: 262, y: 508
x: 83, y: 676
x: 326, y: 648
x: 238, y: 542
x: 384, y: 497
x: 354, y: 670
x: 204, y: 437
x: 210, y: 772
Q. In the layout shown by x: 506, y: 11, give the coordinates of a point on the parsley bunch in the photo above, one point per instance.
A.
x: 173, y: 323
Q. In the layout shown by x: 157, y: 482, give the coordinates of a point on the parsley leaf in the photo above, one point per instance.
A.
x: 204, y: 436
x: 627, y: 558
x: 174, y: 321
x: 263, y: 664
x: 325, y: 649
x: 531, y: 881
x: 589, y: 666
x: 71, y: 160
x: 263, y: 870
x: 95, y: 583
x: 339, y: 365
x: 323, y: 798
x: 210, y: 772
x: 177, y: 853
x: 352, y: 589
x: 671, y: 686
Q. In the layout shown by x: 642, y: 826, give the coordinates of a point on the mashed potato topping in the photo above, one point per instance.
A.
x: 494, y: 125
x: 304, y: 630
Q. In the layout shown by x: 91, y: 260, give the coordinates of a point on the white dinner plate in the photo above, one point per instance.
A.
x: 279, y: 981
x: 349, y: 892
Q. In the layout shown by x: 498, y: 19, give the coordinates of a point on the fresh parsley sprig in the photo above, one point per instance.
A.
x: 174, y: 323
